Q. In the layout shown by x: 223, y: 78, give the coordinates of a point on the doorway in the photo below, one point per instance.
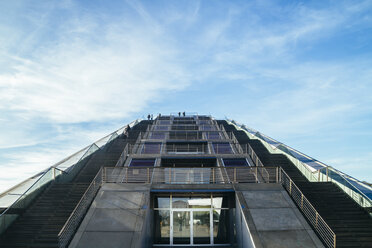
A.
x: 191, y: 220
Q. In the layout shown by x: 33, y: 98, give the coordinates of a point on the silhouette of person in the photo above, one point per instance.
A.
x: 184, y: 114
x: 179, y: 114
x: 148, y: 117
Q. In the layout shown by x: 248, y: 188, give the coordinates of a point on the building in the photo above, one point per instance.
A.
x: 187, y: 180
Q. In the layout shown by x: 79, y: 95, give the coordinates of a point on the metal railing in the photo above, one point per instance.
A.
x: 160, y: 148
x: 356, y: 189
x: 199, y: 175
x: 25, y: 198
x: 127, y: 174
x: 248, y: 150
x: 253, y: 174
x: 123, y: 156
x: 319, y: 224
x: 69, y: 228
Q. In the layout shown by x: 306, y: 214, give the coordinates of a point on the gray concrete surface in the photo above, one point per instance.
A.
x: 273, y: 218
x: 116, y: 218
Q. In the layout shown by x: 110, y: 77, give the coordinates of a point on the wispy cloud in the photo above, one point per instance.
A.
x: 272, y: 65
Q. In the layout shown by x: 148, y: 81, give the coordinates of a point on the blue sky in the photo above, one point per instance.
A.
x: 73, y: 71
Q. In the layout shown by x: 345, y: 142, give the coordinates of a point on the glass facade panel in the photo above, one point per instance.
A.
x: 235, y: 162
x: 180, y: 202
x: 181, y: 227
x: 201, y: 227
x: 222, y: 148
x: 162, y: 227
x: 161, y: 128
x: 221, y: 226
x: 213, y: 135
x: 151, y: 148
x: 157, y: 135
x: 142, y: 162
x: 162, y: 202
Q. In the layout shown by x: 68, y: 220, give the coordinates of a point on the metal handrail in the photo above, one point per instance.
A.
x: 24, y: 193
x: 69, y: 228
x: 306, y: 167
x: 249, y: 150
x: 319, y: 224
x: 236, y: 142
x: 166, y: 149
x: 191, y: 175
x: 123, y: 156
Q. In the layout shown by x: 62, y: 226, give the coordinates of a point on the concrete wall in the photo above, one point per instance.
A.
x: 243, y: 234
x: 116, y: 218
x: 272, y: 218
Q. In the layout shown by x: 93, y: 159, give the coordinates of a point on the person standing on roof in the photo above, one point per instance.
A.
x: 179, y: 114
x: 148, y: 117
x: 184, y: 114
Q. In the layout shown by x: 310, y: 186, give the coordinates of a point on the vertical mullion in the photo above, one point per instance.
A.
x: 191, y: 227
x: 211, y: 226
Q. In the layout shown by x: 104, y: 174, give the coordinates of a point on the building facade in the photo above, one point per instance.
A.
x: 188, y: 181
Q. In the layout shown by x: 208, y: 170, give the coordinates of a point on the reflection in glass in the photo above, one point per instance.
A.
x: 181, y: 227
x: 217, y: 202
x: 191, y: 202
x: 180, y: 202
x: 200, y: 202
x: 162, y: 202
x: 201, y: 227
x: 220, y: 226
x: 162, y: 226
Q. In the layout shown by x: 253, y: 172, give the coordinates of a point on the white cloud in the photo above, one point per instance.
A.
x: 78, y: 79
x: 94, y: 67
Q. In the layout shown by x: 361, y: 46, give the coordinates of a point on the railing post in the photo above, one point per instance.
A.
x: 126, y: 175
x: 148, y: 175
x: 213, y: 175
x: 277, y: 174
x: 234, y: 175
x: 316, y: 219
x: 319, y: 175
x: 302, y: 201
x: 290, y: 186
x: 334, y: 240
x: 327, y: 173
x: 256, y: 175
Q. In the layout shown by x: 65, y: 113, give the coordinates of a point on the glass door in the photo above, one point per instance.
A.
x: 181, y: 227
x: 201, y: 227
x: 183, y: 220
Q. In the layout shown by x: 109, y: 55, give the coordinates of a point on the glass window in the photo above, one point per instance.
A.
x: 162, y: 202
x: 181, y: 227
x: 142, y: 162
x: 201, y: 227
x: 222, y: 148
x: 151, y: 148
x: 213, y: 135
x: 207, y: 127
x: 180, y: 202
x: 162, y: 128
x: 235, y: 162
x: 157, y: 135
x: 162, y: 227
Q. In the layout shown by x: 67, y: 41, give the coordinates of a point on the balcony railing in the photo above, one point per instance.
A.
x: 213, y: 175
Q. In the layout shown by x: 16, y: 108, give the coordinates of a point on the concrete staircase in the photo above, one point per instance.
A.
x: 351, y: 223
x: 40, y: 223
